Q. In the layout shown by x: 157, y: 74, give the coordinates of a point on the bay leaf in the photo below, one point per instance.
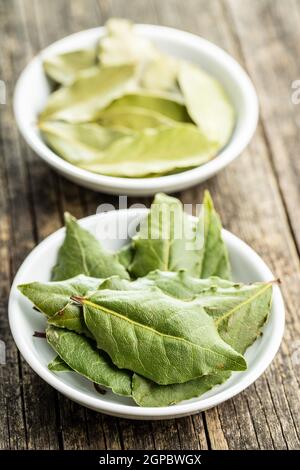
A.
x: 81, y: 142
x: 160, y: 73
x: 125, y: 255
x: 82, y: 356
x: 183, y: 286
x: 215, y: 260
x: 167, y: 240
x: 161, y: 103
x: 155, y: 152
x: 63, y: 68
x: 151, y: 333
x: 53, y: 299
x: 145, y: 392
x: 207, y: 103
x: 59, y: 365
x: 239, y: 324
x: 136, y: 119
x: 122, y: 45
x: 82, y: 253
x: 238, y: 310
x: 93, y: 90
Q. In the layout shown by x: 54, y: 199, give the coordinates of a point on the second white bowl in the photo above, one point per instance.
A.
x: 32, y: 91
x: 247, y: 267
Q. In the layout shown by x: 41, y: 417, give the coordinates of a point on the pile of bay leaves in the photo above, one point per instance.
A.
x: 160, y: 321
x: 123, y: 108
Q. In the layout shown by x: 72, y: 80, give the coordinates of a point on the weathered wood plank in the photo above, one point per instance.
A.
x: 269, y: 38
x: 12, y: 423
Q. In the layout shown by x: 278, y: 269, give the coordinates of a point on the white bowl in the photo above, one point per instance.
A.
x: 32, y: 90
x: 247, y: 267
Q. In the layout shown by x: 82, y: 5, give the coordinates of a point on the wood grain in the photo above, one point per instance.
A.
x: 258, y: 197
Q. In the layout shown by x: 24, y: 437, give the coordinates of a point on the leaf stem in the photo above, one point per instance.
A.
x: 77, y: 299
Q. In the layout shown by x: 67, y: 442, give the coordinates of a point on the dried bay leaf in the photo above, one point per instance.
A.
x: 81, y: 142
x: 160, y: 73
x: 82, y: 356
x: 151, y: 333
x: 82, y: 253
x: 136, y: 119
x: 207, y: 103
x: 155, y: 151
x: 161, y: 103
x: 63, y: 68
x: 93, y: 90
x: 122, y: 45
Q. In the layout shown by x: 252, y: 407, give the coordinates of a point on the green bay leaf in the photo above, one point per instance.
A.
x: 183, y: 286
x: 53, y: 299
x: 93, y: 90
x: 59, y: 365
x: 151, y: 333
x: 82, y: 356
x: 238, y: 310
x: 125, y: 255
x: 167, y: 240
x: 63, y: 68
x: 82, y: 253
x: 170, y: 240
x: 215, y: 260
x: 207, y: 103
x: 239, y: 313
x: 147, y: 393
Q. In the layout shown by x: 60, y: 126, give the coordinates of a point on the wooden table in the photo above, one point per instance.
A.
x: 258, y: 197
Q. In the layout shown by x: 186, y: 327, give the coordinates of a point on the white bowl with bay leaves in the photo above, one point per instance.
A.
x: 246, y: 266
x: 33, y: 89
